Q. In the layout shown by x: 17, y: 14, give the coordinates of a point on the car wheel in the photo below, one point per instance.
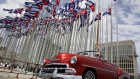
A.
x: 89, y: 75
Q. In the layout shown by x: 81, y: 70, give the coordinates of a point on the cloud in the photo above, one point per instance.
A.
x: 2, y: 1
x: 11, y: 4
x: 128, y: 11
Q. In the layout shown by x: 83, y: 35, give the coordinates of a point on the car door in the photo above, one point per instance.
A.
x: 99, y: 68
x: 109, y: 71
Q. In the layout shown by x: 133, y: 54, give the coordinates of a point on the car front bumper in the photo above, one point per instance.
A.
x: 119, y: 77
x: 56, y: 75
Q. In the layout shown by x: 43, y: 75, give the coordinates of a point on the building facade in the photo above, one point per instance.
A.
x: 125, y: 56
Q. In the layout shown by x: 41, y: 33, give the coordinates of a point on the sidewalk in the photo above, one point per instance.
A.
x: 5, y: 74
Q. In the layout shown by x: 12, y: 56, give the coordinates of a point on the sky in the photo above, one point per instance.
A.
x: 128, y: 17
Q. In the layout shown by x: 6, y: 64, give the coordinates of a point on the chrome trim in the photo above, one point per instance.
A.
x: 74, y: 71
x: 59, y: 64
x: 119, y: 77
x: 58, y: 68
x: 54, y: 59
x: 56, y: 75
x: 99, y: 68
x: 123, y: 76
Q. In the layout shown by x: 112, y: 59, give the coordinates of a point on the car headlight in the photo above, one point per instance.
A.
x: 73, y: 60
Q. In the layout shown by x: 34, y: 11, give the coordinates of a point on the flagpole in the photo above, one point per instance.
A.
x: 44, y: 45
x: 102, y: 33
x: 106, y: 47
x: 9, y: 42
x: 55, y: 39
x: 3, y: 41
x: 79, y: 33
x: 79, y: 47
x: 111, y: 36
x: 69, y: 50
x: 29, y: 40
x: 97, y: 48
x: 76, y: 32
x: 118, y: 59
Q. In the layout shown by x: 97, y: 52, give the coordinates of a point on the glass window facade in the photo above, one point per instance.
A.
x: 124, y: 58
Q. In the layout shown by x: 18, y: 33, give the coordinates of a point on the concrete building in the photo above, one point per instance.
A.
x: 125, y: 57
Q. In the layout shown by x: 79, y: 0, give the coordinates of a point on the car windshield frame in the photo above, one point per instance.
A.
x: 94, y: 54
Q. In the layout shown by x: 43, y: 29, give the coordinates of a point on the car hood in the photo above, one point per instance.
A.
x: 62, y: 58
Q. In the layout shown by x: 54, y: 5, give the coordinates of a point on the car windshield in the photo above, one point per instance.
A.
x: 90, y: 53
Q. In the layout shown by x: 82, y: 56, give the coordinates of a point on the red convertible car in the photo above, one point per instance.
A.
x: 83, y: 65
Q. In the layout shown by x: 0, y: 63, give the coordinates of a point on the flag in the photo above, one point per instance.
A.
x: 12, y: 11
x: 107, y: 12
x: 72, y: 1
x: 77, y: 4
x: 9, y: 18
x: 71, y: 6
x: 29, y: 15
x: 84, y: 12
x: 19, y: 10
x: 37, y: 1
x: 28, y: 9
x: 98, y: 16
x: 19, y: 30
x: 54, y: 13
x: 39, y: 5
x: 45, y: 2
x: 91, y: 22
x: 1, y: 21
x: 57, y: 2
x: 29, y: 4
x: 92, y: 7
x: 7, y: 9
x: 16, y: 19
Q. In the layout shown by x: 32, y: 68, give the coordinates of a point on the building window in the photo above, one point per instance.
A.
x: 130, y: 46
x: 126, y: 65
x: 132, y: 70
x: 128, y: 71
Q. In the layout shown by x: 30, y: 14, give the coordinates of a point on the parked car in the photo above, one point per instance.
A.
x: 83, y: 65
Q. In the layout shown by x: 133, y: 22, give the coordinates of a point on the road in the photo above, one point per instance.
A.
x: 5, y: 74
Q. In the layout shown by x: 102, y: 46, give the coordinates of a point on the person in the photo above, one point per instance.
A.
x: 5, y: 65
x: 9, y: 66
x: 1, y: 64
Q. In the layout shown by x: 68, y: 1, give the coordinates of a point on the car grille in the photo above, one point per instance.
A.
x: 49, y: 68
x: 56, y: 66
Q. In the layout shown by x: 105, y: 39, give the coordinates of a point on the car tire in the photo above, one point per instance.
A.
x: 89, y: 74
